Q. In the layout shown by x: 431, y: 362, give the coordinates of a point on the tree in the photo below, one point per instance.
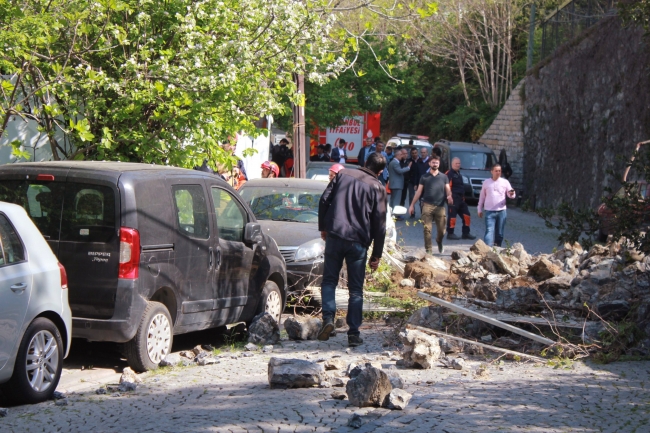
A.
x: 160, y: 82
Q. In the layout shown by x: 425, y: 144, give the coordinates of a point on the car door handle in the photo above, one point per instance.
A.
x: 218, y: 258
x: 18, y: 287
x: 210, y: 255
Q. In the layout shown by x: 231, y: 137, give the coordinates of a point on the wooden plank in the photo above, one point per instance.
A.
x: 484, y: 318
x: 476, y: 343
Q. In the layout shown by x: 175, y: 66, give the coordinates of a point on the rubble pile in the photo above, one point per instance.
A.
x: 607, y: 282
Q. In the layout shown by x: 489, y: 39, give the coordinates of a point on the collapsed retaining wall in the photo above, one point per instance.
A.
x: 583, y: 108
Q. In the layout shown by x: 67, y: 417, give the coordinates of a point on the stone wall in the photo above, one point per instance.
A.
x: 583, y: 108
x: 506, y: 133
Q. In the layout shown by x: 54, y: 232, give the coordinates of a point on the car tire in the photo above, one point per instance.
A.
x: 153, y: 340
x: 39, y: 363
x: 271, y: 301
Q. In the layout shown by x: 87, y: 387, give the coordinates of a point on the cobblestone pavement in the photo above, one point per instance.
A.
x: 234, y: 396
x: 524, y: 227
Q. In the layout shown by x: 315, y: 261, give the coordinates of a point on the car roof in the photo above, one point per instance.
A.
x: 97, y: 165
x: 460, y: 145
x: 405, y: 142
x: 327, y: 164
x: 286, y: 182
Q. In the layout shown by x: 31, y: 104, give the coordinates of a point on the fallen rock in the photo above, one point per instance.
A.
x: 295, y: 373
x: 58, y: 395
x: 507, y: 264
x: 520, y: 254
x: 451, y: 346
x: 555, y: 284
x: 369, y: 388
x: 419, y: 349
x: 338, y: 382
x: 458, y: 363
x: 480, y: 248
x: 127, y: 387
x: 356, y: 421
x: 101, y: 391
x: 128, y: 375
x: 517, y: 299
x: 398, y: 399
x: 406, y: 282
x: 335, y: 364
x: 414, y: 256
x: 339, y: 395
x: 198, y: 349
x: 61, y: 402
x: 325, y: 384
x: 428, y: 317
x: 302, y: 329
x: 3, y: 412
x: 543, y: 269
x: 267, y: 349
x: 207, y: 360
x: 251, y: 347
x: 396, y: 380
x: 170, y: 360
x: 458, y: 255
x: 339, y: 322
x: 423, y: 274
x: 264, y: 330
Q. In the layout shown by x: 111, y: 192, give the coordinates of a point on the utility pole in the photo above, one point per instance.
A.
x: 531, y: 37
x: 299, y: 139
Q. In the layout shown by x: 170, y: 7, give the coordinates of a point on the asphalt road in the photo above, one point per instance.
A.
x: 524, y: 227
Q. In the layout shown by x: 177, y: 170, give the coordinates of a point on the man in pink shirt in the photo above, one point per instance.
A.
x: 493, y: 201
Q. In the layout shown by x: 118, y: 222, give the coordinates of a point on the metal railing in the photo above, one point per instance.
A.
x: 571, y: 19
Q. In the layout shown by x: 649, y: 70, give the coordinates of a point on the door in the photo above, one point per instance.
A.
x: 15, y: 288
x: 193, y: 256
x: 233, y: 257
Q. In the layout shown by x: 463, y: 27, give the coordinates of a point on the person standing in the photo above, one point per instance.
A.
x: 413, y: 179
x: 351, y: 216
x: 493, y: 201
x: 338, y: 153
x: 459, y: 208
x: 379, y: 148
x: 433, y: 188
x: 320, y: 154
x: 396, y: 176
x: 389, y: 152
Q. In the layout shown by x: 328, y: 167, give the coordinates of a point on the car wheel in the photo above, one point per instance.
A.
x: 271, y: 301
x: 153, y: 340
x: 38, y: 363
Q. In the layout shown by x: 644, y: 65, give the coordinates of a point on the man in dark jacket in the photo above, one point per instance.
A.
x: 459, y: 207
x: 351, y: 216
x: 320, y: 156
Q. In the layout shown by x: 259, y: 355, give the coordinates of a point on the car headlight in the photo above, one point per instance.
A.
x: 466, y: 180
x: 310, y: 250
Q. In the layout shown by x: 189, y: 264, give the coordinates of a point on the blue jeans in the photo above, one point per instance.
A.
x: 495, y: 224
x: 355, y: 255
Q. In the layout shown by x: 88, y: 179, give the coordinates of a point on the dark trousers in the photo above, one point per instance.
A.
x: 355, y: 256
x: 402, y: 200
x: 412, y: 189
x: 459, y: 208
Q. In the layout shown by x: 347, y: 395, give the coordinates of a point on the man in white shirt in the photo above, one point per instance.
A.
x: 338, y: 154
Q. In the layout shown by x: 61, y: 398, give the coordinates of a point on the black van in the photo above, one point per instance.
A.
x: 150, y: 251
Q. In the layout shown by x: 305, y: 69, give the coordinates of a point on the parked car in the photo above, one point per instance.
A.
x: 150, y: 251
x: 476, y: 161
x: 321, y: 170
x: 287, y: 210
x: 35, y: 318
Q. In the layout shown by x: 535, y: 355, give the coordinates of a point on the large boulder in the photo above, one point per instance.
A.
x: 543, y: 270
x: 295, y: 373
x: 420, y: 350
x: 302, y: 329
x: 369, y: 388
x: 264, y: 330
x: 480, y: 248
x: 507, y: 264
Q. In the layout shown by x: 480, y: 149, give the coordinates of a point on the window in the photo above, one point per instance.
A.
x: 231, y: 217
x: 288, y: 204
x: 88, y: 213
x: 191, y: 211
x: 12, y: 247
x: 42, y: 201
x: 471, y: 160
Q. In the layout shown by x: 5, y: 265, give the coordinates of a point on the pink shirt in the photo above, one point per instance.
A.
x: 493, y: 194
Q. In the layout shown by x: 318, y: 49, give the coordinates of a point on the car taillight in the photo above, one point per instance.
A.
x: 129, y: 253
x: 64, y: 277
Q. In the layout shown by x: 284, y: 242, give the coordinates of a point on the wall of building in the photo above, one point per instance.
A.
x: 506, y: 133
x: 584, y: 108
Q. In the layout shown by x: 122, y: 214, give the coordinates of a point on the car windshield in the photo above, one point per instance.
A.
x: 472, y: 160
x: 283, y: 204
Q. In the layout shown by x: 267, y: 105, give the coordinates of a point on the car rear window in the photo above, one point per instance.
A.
x: 41, y: 200
x: 88, y: 213
x: 472, y: 160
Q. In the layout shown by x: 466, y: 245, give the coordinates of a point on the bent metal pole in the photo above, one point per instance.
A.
x: 486, y: 319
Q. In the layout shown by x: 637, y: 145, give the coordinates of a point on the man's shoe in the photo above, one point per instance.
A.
x: 354, y: 340
x: 468, y: 236
x: 326, y: 330
x: 452, y: 237
x: 441, y: 247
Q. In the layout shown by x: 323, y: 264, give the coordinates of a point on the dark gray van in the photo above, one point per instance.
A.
x: 150, y: 251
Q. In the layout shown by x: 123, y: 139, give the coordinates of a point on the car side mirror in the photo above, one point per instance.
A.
x: 253, y: 233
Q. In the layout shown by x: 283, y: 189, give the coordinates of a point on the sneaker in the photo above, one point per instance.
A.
x: 354, y: 340
x: 468, y: 236
x: 452, y: 237
x: 441, y: 247
x: 326, y: 330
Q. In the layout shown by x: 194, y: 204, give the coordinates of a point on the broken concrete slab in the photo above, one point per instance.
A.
x: 543, y: 269
x: 295, y: 373
x: 420, y: 350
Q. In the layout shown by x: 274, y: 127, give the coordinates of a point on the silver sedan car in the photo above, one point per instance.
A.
x: 35, y: 318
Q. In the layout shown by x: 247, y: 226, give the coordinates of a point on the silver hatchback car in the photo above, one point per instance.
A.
x: 35, y: 318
